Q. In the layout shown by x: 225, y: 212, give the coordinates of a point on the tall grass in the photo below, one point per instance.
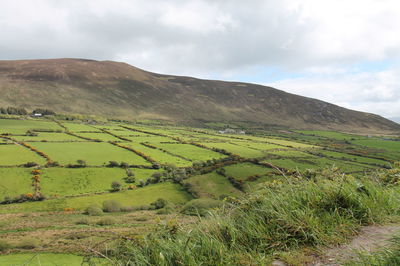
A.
x: 282, y: 216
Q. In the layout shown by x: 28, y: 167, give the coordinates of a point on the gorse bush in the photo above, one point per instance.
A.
x: 279, y: 217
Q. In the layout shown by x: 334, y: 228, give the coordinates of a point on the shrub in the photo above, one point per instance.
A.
x: 30, y: 164
x: 113, y: 164
x: 28, y: 243
x: 82, y: 163
x: 130, y: 179
x: 124, y: 165
x: 4, y: 245
x: 200, y: 206
x: 116, y: 186
x: 141, y: 183
x: 106, y: 221
x: 94, y: 210
x: 159, y: 203
x: 111, y: 206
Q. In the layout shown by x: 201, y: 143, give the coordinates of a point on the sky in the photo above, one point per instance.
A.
x: 342, y: 51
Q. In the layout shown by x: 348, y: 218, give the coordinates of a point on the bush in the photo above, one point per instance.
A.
x: 106, y: 221
x: 159, y: 203
x: 30, y: 164
x: 116, y: 186
x: 113, y: 164
x: 94, y: 210
x: 130, y: 179
x: 200, y: 206
x: 28, y: 243
x: 4, y: 245
x: 111, y: 206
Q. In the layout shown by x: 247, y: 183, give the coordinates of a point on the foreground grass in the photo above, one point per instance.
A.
x: 282, y: 216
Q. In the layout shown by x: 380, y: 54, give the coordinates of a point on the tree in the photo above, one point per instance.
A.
x: 116, y: 186
x: 81, y: 163
x: 124, y: 165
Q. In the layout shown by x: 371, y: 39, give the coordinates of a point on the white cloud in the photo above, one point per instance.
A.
x: 376, y: 92
x: 219, y: 38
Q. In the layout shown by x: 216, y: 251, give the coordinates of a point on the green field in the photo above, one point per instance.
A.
x: 15, y: 154
x: 13, y: 126
x: 243, y: 170
x: 331, y: 135
x: 99, y: 136
x: 137, y: 197
x: 93, y: 153
x: 212, y: 185
x: 48, y: 137
x: 235, y: 149
x: 14, y: 181
x: 190, y: 152
x: 79, y: 127
x: 68, y: 182
x: 160, y: 156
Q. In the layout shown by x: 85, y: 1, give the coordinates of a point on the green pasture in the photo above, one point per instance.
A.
x: 212, y: 185
x: 78, y: 127
x: 330, y: 134
x: 243, y: 170
x: 68, y: 182
x: 262, y: 146
x: 190, y: 152
x: 388, y: 145
x: 45, y: 136
x: 15, y: 126
x: 15, y: 181
x: 150, y: 139
x: 317, y: 163
x: 354, y: 158
x: 15, y: 154
x: 160, y: 156
x: 99, y: 136
x: 140, y: 196
x: 93, y: 153
x: 235, y: 149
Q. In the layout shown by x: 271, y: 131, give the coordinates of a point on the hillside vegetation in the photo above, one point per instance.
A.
x: 118, y: 90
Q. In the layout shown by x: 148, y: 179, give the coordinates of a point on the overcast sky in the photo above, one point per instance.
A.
x: 342, y: 51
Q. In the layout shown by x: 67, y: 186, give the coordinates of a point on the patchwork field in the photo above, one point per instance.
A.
x: 53, y: 171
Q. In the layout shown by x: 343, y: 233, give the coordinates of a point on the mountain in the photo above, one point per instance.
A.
x: 395, y: 119
x: 119, y: 90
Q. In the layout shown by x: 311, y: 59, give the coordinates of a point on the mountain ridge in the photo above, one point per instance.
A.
x: 119, y: 90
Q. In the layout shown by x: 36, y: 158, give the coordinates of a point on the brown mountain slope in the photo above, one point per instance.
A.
x: 118, y: 90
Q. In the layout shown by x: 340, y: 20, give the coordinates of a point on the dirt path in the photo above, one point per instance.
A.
x: 370, y: 239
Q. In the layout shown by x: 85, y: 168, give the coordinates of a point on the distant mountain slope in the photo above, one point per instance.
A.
x: 115, y: 89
